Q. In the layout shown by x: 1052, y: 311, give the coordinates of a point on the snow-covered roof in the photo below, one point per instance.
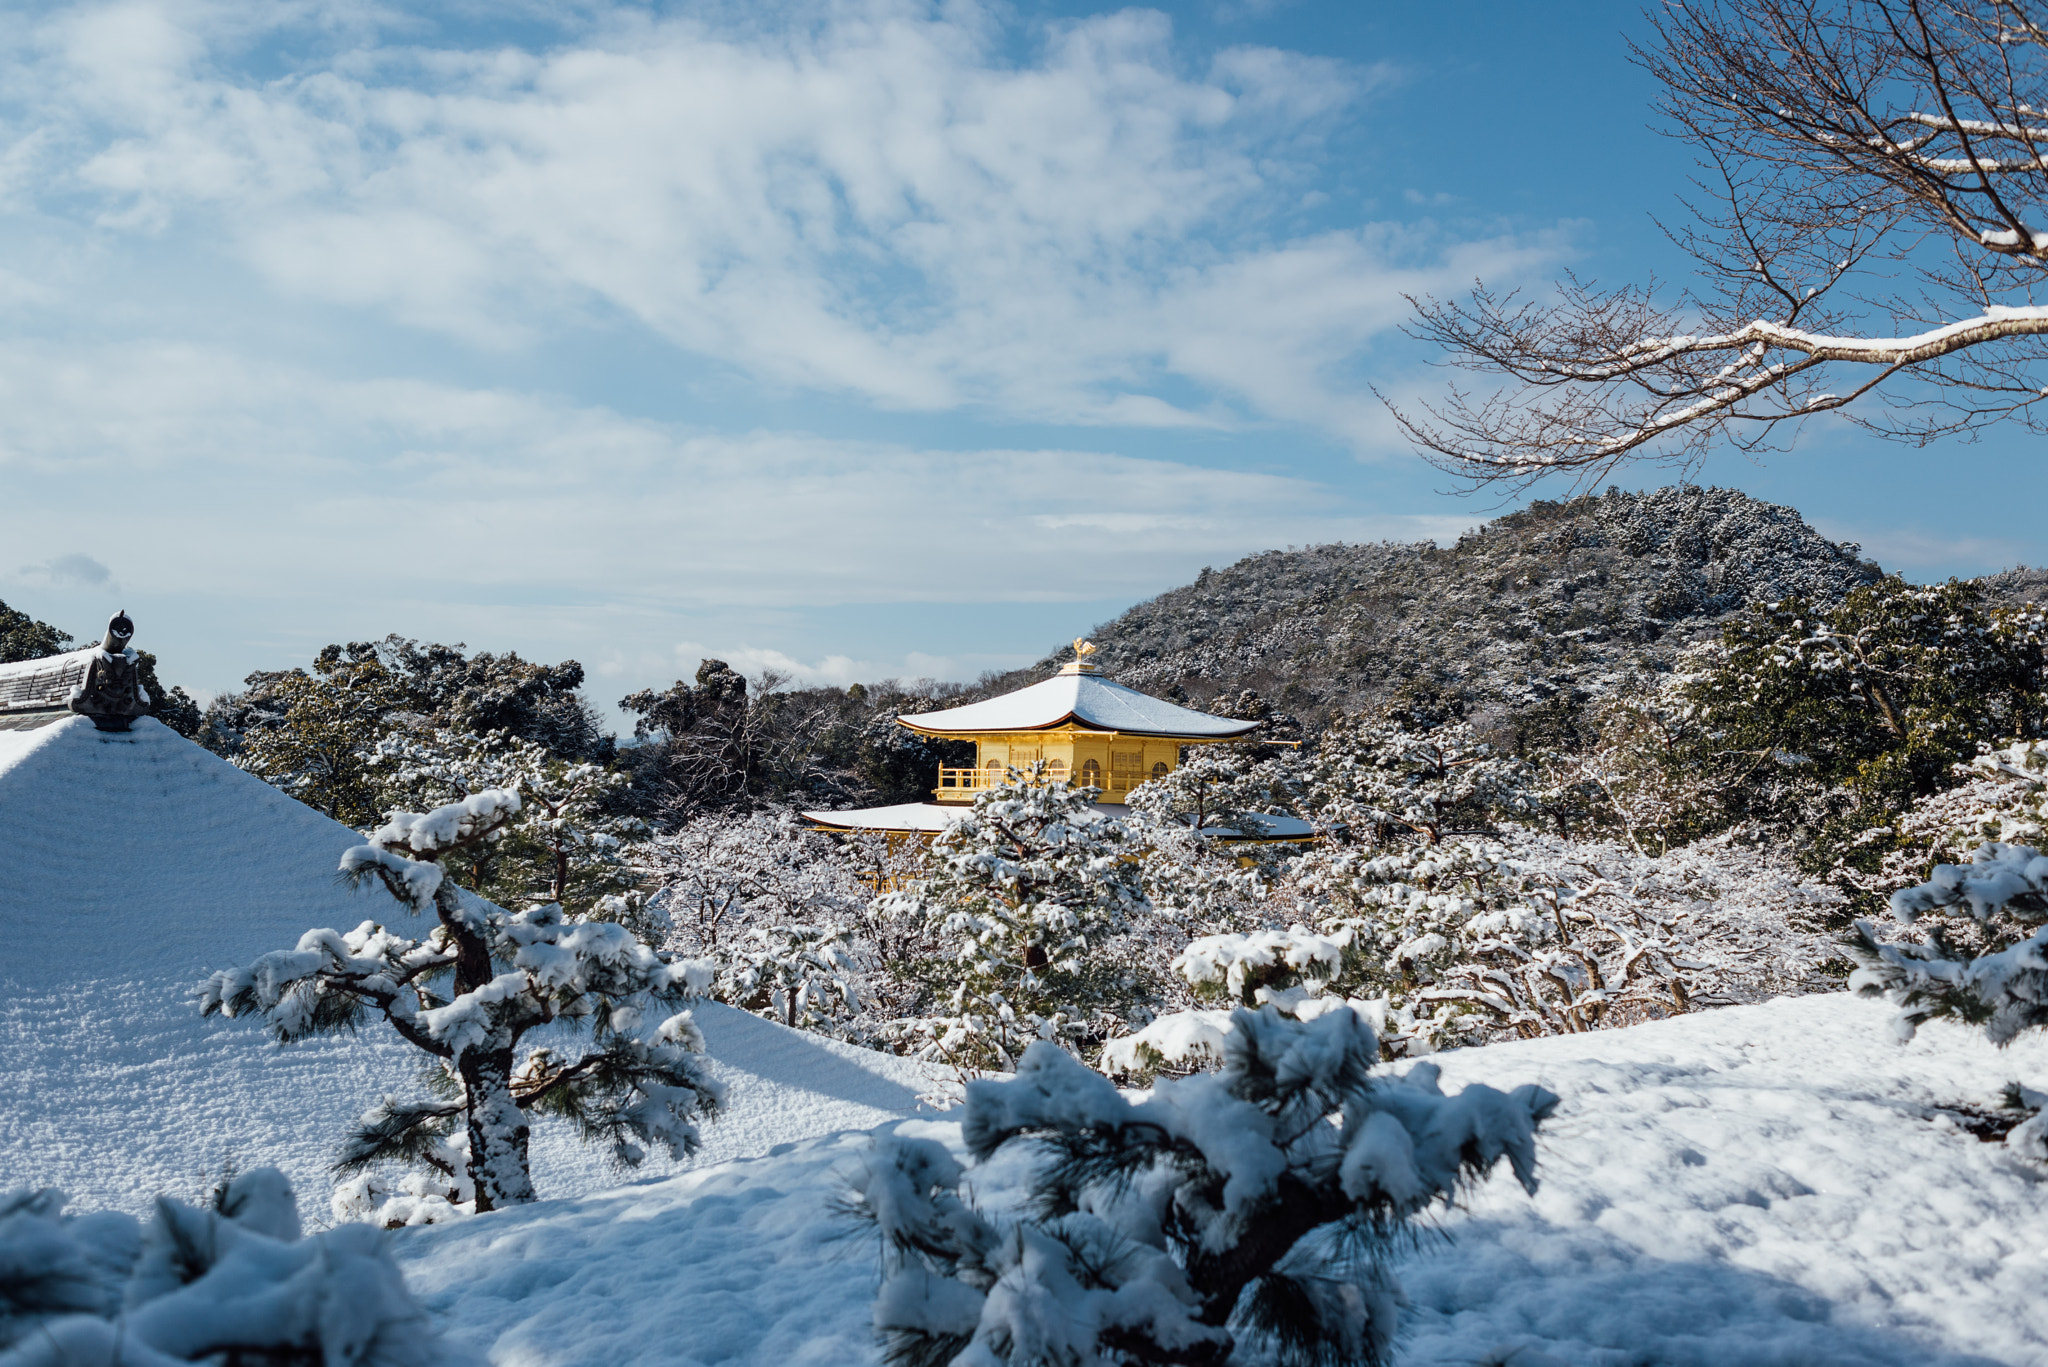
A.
x: 912, y: 817
x: 43, y: 684
x: 920, y: 817
x: 134, y: 863
x: 1078, y: 696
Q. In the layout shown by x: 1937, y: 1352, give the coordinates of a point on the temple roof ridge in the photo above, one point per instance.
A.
x: 1082, y: 696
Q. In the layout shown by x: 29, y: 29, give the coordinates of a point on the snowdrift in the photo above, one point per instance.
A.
x: 1763, y: 1186
x: 134, y: 863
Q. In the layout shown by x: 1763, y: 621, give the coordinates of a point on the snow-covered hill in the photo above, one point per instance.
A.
x: 131, y: 865
x: 1768, y: 1186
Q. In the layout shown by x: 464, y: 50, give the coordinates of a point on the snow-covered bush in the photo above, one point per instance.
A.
x: 1378, y: 778
x: 2003, y: 893
x: 568, y: 845
x: 1189, y: 826
x: 641, y: 1081
x: 720, y: 875
x: 803, y: 976
x: 1531, y: 935
x: 236, y: 1283
x: 1241, y: 1216
x: 1026, y: 893
x: 1982, y: 959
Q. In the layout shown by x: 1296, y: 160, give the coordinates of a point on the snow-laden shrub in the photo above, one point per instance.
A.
x: 236, y: 1283
x: 1242, y: 1216
x: 1531, y: 935
x: 1378, y: 778
x: 2003, y: 890
x: 721, y: 875
x: 1981, y: 958
x: 642, y: 1080
x: 803, y: 976
x: 1026, y: 892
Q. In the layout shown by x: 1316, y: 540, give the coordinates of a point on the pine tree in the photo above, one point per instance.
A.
x: 571, y: 843
x: 1379, y: 778
x: 235, y: 1283
x: 1239, y: 1216
x: 640, y: 1082
x: 800, y: 975
x: 1982, y: 959
x: 1029, y: 889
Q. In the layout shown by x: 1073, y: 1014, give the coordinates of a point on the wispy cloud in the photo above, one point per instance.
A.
x: 875, y: 199
x: 76, y: 568
x: 331, y: 500
x: 1917, y: 550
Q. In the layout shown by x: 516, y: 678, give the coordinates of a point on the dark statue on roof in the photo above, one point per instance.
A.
x: 111, y: 693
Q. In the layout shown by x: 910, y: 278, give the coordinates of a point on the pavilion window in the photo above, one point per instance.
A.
x: 1159, y: 769
x: 1126, y: 769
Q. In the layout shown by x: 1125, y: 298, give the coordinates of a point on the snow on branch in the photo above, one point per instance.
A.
x: 1871, y: 244
x: 235, y: 1283
x: 2005, y: 990
x: 1245, y: 1211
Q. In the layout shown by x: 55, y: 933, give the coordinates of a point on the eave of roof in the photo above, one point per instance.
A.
x: 1078, y: 699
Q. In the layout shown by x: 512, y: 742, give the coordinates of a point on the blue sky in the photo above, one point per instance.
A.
x: 853, y: 339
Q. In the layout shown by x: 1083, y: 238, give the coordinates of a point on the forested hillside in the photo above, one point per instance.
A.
x: 1528, y: 617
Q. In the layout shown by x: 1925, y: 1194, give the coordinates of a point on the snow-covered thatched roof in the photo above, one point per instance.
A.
x: 1078, y: 696
x: 134, y: 863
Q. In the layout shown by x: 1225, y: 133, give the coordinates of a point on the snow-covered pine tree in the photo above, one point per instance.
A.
x: 1378, y: 779
x: 236, y: 1283
x: 642, y: 1080
x: 570, y: 845
x: 1241, y: 1216
x: 803, y: 976
x: 1989, y: 966
x: 1185, y: 823
x: 1028, y: 890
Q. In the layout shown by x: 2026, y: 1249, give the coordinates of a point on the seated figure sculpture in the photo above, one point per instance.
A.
x: 111, y: 692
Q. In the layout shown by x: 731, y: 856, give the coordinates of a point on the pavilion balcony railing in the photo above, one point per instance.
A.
x: 961, y: 785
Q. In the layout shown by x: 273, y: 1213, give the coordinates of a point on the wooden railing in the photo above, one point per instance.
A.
x: 962, y: 785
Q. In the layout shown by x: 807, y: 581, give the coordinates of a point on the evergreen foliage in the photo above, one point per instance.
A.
x: 1025, y: 899
x: 570, y: 844
x: 1983, y: 957
x: 22, y: 637
x: 236, y: 1283
x: 1241, y: 1216
x: 1824, y: 725
x: 721, y: 744
x: 1383, y: 776
x: 640, y: 1082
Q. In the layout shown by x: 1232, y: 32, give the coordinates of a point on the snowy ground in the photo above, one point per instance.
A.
x: 1759, y: 1185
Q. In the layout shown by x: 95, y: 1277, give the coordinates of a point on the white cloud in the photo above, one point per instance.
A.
x: 73, y: 568
x: 875, y: 199
x: 1910, y: 549
x: 280, y: 495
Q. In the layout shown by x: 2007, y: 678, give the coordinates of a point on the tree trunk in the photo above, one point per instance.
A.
x: 498, y: 1132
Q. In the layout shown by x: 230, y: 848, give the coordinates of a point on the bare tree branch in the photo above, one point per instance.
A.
x: 1871, y: 238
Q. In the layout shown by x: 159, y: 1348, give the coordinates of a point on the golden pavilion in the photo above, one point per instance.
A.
x: 1087, y: 729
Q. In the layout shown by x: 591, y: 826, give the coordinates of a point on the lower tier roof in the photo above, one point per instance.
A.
x: 906, y: 818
